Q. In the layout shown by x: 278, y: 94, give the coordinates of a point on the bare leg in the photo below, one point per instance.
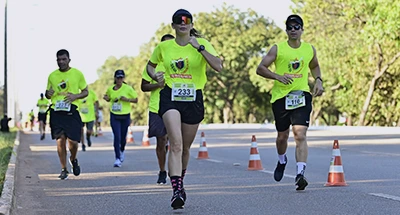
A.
x: 161, y: 151
x: 172, y: 122
x: 282, y: 142
x: 73, y: 148
x: 300, y: 137
x: 62, y: 151
x: 188, y: 135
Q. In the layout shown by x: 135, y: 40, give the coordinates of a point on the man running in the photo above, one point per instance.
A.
x: 88, y: 109
x: 43, y: 105
x: 291, y: 99
x: 64, y: 87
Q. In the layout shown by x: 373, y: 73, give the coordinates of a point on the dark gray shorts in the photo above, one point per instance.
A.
x: 156, y: 125
x: 89, y: 125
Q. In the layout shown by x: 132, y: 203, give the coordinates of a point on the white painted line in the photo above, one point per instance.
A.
x: 215, y: 161
x: 386, y: 196
x: 272, y: 172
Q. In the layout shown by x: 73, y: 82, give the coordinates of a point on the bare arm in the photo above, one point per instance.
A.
x: 148, y: 87
x: 263, y: 71
x: 316, y: 73
x: 213, y: 61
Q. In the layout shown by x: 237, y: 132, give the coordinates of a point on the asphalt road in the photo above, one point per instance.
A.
x: 220, y: 185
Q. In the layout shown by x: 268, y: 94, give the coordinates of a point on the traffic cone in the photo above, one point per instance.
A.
x: 254, y: 161
x: 336, y: 174
x: 203, y: 153
x: 129, y: 137
x: 145, y: 139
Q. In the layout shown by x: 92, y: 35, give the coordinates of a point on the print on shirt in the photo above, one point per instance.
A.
x: 63, y: 85
x: 296, y: 65
x: 180, y: 66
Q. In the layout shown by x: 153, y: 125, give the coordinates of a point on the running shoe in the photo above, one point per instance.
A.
x: 301, y: 182
x: 279, y: 170
x: 76, y: 169
x: 162, y: 177
x: 64, y: 174
x: 177, y: 201
x: 117, y: 163
x: 121, y: 156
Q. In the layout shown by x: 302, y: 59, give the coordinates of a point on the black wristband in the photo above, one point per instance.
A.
x: 319, y: 79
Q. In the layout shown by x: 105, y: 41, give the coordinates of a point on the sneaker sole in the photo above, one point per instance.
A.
x: 302, y: 184
x: 64, y: 178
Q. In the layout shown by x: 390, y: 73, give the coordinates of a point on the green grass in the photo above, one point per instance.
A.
x: 6, y: 147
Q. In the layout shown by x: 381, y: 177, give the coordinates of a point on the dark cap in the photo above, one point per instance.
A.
x: 294, y: 18
x: 41, y: 95
x: 182, y: 12
x: 119, y: 74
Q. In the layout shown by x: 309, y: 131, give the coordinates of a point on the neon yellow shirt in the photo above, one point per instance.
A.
x: 71, y: 81
x: 183, y: 64
x: 43, y: 104
x: 121, y: 107
x: 154, y: 94
x: 294, y: 62
x: 86, y: 107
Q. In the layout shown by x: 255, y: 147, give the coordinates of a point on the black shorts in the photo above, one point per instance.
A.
x: 156, y: 125
x: 191, y: 112
x: 67, y: 123
x: 42, y: 117
x: 89, y: 125
x: 284, y: 118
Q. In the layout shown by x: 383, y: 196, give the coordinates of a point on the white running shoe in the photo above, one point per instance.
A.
x: 117, y: 163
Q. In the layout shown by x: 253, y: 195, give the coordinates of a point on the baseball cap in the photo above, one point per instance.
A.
x: 294, y: 18
x: 177, y: 17
x: 119, y: 74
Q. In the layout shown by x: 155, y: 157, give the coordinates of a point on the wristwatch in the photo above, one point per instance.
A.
x: 201, y: 48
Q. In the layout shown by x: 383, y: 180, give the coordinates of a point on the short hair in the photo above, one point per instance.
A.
x: 62, y: 52
x: 167, y: 36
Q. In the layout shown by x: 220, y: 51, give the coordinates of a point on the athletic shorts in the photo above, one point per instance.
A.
x: 156, y: 125
x: 284, y: 118
x: 89, y: 125
x: 67, y: 123
x: 191, y: 112
x: 42, y: 117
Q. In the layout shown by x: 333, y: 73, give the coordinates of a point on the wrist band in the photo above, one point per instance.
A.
x: 319, y: 79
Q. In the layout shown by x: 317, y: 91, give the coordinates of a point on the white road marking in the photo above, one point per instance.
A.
x: 272, y: 172
x: 215, y: 161
x: 386, y: 196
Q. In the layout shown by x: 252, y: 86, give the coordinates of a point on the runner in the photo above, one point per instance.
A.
x: 121, y: 95
x: 156, y: 124
x: 88, y: 109
x: 291, y: 99
x: 43, y: 105
x: 64, y: 87
x: 181, y: 101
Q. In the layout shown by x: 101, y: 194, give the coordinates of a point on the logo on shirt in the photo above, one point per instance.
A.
x: 63, y: 85
x: 180, y: 67
x: 296, y: 64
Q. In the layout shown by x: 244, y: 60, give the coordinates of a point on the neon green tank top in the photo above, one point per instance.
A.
x: 294, y: 62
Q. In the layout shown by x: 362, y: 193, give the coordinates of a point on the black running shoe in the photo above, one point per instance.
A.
x: 83, y: 147
x: 64, y: 174
x: 162, y: 178
x: 42, y: 137
x: 183, y: 193
x: 301, y: 182
x: 279, y: 170
x: 177, y: 202
x: 76, y: 169
x: 89, y: 142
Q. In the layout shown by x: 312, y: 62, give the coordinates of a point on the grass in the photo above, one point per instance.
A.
x: 6, y: 147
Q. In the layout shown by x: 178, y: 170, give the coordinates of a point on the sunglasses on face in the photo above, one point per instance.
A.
x: 182, y: 19
x: 295, y: 27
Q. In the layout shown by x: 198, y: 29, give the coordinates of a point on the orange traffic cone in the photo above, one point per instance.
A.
x: 145, y: 139
x: 254, y: 161
x: 129, y: 137
x: 336, y: 174
x: 203, y: 153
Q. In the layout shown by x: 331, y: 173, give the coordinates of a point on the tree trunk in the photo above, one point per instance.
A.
x: 367, y: 102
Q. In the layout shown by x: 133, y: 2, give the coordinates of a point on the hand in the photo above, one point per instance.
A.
x: 50, y: 92
x: 193, y: 42
x: 318, y: 89
x: 105, y: 97
x: 161, y: 84
x: 285, y: 79
x: 70, y: 97
x: 159, y: 77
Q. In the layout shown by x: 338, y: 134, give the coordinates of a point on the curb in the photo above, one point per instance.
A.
x: 7, y: 194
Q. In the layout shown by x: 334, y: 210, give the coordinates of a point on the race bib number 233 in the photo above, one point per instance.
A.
x: 183, y: 92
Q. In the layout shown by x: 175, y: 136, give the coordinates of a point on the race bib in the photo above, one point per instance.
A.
x: 62, y: 106
x: 84, y: 110
x: 295, y: 100
x: 117, y: 107
x: 183, y: 92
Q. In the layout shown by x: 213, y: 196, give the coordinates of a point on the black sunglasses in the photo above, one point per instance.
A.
x: 295, y: 27
x: 179, y: 19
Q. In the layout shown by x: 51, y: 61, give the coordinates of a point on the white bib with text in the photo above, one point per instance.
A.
x: 62, y: 106
x: 295, y: 100
x: 117, y: 107
x: 183, y: 92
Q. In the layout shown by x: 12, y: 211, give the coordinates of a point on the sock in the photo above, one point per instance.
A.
x: 282, y: 159
x: 183, y: 173
x: 176, y: 182
x: 301, y: 167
